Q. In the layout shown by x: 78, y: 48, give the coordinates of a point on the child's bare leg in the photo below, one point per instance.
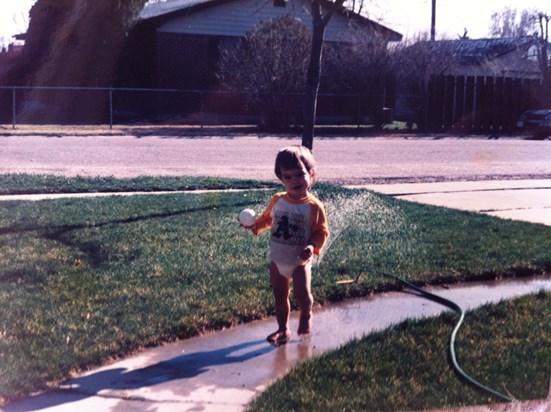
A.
x: 281, y: 287
x: 302, y: 278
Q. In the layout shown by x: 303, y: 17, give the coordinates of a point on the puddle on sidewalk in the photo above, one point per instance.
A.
x: 337, y: 324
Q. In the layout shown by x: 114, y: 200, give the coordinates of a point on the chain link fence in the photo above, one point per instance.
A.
x: 454, y: 103
x: 123, y: 106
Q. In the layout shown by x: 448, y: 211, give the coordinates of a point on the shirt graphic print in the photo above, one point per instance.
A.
x: 289, y: 229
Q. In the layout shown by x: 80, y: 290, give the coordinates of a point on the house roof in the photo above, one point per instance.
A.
x: 223, y: 18
x: 152, y: 10
x: 477, y: 51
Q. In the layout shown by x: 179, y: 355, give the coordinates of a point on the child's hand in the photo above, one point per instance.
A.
x: 245, y: 227
x: 307, y: 252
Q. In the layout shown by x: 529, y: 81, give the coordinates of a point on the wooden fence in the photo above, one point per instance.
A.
x: 482, y: 104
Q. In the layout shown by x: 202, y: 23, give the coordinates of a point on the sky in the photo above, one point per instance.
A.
x: 404, y: 16
x: 452, y: 16
x: 14, y: 16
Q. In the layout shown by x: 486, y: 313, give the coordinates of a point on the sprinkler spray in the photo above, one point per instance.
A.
x: 382, y: 220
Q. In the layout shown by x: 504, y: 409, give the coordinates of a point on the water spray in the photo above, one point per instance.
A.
x: 381, y: 220
x: 454, y: 306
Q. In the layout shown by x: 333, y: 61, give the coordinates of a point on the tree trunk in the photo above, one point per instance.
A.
x: 545, y: 67
x: 312, y: 86
x: 313, y: 75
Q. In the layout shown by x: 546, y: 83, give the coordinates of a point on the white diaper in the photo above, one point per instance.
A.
x: 287, y: 269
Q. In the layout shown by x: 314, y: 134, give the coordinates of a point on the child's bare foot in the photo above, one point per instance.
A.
x: 279, y: 337
x: 305, y: 324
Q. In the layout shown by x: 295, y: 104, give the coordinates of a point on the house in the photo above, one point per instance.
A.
x: 477, y: 85
x: 176, y: 43
x: 495, y: 57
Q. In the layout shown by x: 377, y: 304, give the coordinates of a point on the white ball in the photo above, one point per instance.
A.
x: 247, y: 217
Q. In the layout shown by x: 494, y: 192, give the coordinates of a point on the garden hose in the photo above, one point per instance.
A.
x: 457, y: 308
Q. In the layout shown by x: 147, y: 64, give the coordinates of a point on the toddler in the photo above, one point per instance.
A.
x: 298, y: 231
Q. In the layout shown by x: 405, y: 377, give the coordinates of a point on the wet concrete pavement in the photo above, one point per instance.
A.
x: 223, y: 371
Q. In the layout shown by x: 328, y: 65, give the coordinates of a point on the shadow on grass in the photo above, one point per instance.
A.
x: 93, y: 249
x: 55, y: 233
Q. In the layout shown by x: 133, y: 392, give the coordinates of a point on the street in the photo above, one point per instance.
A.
x: 340, y: 160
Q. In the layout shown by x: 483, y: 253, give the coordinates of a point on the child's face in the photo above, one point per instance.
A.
x: 297, y: 182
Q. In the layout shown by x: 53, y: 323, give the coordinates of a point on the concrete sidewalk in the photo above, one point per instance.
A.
x: 526, y: 200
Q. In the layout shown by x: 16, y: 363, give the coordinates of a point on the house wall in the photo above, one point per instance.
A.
x: 187, y: 40
x: 187, y: 45
x: 510, y: 65
x: 186, y: 48
x: 519, y: 66
x: 236, y: 18
x: 182, y: 61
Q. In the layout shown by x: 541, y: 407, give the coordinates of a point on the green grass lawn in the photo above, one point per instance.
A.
x: 21, y: 183
x: 83, y: 280
x: 507, y: 346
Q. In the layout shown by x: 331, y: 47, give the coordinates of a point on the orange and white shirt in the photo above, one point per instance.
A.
x: 294, y: 224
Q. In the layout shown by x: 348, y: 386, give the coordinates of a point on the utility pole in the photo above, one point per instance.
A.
x: 433, y: 21
x: 544, y: 20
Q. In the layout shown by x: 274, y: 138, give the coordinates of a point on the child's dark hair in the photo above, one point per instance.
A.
x: 294, y: 157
